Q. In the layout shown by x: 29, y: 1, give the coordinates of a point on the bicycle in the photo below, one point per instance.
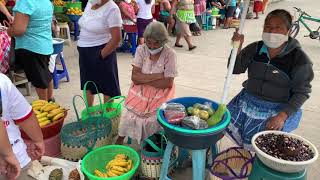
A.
x: 302, y: 17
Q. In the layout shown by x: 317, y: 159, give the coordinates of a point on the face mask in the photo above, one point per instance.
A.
x: 93, y: 2
x: 273, y: 40
x: 127, y: 1
x: 154, y: 51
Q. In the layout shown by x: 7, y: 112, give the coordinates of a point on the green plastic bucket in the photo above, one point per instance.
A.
x: 215, y: 11
x: 59, y: 9
x: 99, y: 158
x: 74, y: 5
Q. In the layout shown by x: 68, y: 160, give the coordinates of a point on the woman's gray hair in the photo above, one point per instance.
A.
x: 282, y: 14
x: 157, y: 32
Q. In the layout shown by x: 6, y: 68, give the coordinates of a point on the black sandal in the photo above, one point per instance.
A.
x: 178, y: 45
x: 192, y: 48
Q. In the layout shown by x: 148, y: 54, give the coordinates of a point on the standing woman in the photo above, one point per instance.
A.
x: 144, y: 17
x: 184, y: 11
x: 264, y: 5
x: 33, y: 39
x: 99, y: 37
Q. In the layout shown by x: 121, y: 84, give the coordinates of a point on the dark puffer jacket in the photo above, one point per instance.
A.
x: 285, y: 78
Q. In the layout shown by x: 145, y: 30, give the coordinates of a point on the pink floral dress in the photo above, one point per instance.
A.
x: 139, y: 119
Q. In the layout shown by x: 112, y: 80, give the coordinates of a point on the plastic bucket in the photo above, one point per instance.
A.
x: 98, y: 159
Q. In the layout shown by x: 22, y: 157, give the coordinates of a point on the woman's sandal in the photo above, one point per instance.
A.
x: 192, y: 48
x: 178, y: 45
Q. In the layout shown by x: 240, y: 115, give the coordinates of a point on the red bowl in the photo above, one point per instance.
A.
x: 49, y: 130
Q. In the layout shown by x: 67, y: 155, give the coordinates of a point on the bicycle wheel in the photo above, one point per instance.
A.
x: 294, y: 29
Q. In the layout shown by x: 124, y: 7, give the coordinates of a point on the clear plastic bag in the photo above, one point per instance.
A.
x: 174, y: 112
x: 194, y: 122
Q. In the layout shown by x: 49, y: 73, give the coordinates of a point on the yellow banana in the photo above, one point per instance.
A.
x: 50, y: 107
x: 99, y: 173
x: 118, y: 173
x: 55, y: 112
x: 121, y: 156
x: 111, y: 174
x: 118, y: 168
x: 39, y: 102
x: 44, y: 123
x: 36, y: 112
x: 129, y: 167
x: 38, y: 108
x: 58, y: 116
x: 44, y: 114
x: 42, y: 119
x: 120, y: 163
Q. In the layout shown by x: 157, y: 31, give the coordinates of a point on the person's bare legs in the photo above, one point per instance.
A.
x: 90, y: 97
x: 257, y: 15
x: 42, y: 93
x: 178, y: 38
x: 50, y: 90
x: 188, y: 40
x: 227, y: 22
x: 171, y: 25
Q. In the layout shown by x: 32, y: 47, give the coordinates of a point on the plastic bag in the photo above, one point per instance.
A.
x: 194, y: 122
x: 174, y: 112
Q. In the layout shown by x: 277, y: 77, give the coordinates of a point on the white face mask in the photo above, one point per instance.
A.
x: 93, y: 2
x: 154, y: 51
x: 273, y: 40
x: 127, y: 1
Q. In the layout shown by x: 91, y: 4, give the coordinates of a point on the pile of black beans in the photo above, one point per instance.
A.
x: 284, y: 147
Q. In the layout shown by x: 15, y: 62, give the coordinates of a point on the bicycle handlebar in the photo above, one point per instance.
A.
x: 303, y: 12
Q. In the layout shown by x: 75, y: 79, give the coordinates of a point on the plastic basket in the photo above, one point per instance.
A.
x: 284, y: 165
x: 98, y: 159
x: 49, y: 130
x: 215, y: 11
x: 74, y: 18
x: 193, y: 139
x: 59, y: 9
x: 74, y: 5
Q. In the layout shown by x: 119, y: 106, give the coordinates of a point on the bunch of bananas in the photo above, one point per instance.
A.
x: 47, y: 112
x: 59, y: 3
x: 74, y: 11
x: 116, y: 167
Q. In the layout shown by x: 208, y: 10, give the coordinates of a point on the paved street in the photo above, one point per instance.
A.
x: 202, y: 72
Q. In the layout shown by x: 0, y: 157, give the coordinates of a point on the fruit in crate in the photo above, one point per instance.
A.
x: 120, y: 165
x: 74, y: 11
x: 59, y: 3
x: 47, y: 112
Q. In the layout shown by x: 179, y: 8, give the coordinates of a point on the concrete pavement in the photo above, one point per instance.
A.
x: 202, y: 72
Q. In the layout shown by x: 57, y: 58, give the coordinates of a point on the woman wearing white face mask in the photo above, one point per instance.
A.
x: 99, y: 37
x: 279, y: 77
x: 153, y: 73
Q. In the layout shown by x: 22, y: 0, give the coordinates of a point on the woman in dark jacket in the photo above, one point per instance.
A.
x: 279, y: 77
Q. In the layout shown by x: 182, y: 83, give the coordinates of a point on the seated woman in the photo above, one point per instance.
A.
x: 153, y: 73
x: 279, y: 77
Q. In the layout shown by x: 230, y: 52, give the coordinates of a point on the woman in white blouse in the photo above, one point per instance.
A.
x: 99, y: 37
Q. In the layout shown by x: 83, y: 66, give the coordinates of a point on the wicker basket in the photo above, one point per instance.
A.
x: 231, y: 164
x: 80, y: 137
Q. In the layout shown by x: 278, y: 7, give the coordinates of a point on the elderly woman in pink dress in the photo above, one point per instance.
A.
x: 153, y: 73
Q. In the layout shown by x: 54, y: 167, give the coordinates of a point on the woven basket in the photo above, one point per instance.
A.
x: 231, y: 164
x: 79, y: 138
x: 151, y: 161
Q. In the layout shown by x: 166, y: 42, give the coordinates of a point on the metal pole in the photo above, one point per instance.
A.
x: 233, y: 57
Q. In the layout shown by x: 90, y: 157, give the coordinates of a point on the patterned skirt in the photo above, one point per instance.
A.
x: 249, y: 115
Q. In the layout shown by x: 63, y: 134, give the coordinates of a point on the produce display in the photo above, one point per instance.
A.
x: 59, y: 3
x: 198, y: 116
x: 47, y: 112
x: 120, y: 165
x: 283, y: 147
x: 74, y: 11
x: 56, y: 174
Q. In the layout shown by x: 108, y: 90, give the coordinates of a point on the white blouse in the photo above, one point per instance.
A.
x: 95, y: 24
